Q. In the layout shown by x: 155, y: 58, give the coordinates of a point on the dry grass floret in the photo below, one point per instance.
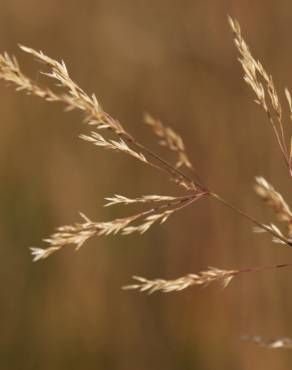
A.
x: 282, y: 343
x: 169, y: 139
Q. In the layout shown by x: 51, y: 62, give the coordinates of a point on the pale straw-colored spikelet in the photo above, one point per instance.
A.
x: 75, y: 98
x: 120, y: 146
x: 157, y: 214
x: 279, y: 343
x: 275, y: 201
x: 148, y: 222
x: 41, y: 253
x: 203, y: 278
x: 121, y: 199
x: 289, y: 100
x: 277, y: 236
x: 10, y: 72
x: 263, y: 86
x: 169, y: 139
x: 253, y: 71
x: 79, y: 233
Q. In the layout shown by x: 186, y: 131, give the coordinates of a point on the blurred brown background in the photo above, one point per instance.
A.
x: 176, y: 60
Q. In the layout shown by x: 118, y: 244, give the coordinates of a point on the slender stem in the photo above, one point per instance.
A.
x: 115, y: 126
x: 259, y: 269
x: 174, y: 205
x: 206, y: 191
x: 281, y: 143
x: 164, y: 162
x: 171, y: 168
x: 251, y: 219
x: 282, y: 133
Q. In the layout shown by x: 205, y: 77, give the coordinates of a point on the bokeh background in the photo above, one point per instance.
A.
x: 176, y: 60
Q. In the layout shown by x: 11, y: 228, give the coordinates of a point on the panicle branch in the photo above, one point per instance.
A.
x: 74, y: 97
x: 263, y: 86
x: 273, y: 199
x: 120, y: 199
x: 169, y: 139
x: 79, y: 233
x: 120, y: 146
x: 203, y: 278
x: 10, y: 72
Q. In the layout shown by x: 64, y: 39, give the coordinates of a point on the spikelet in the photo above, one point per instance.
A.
x: 120, y: 146
x: 120, y: 199
x: 79, y: 233
x: 278, y: 236
x: 274, y: 200
x: 203, y: 278
x: 10, y: 72
x: 288, y: 97
x: 284, y: 343
x: 264, y: 89
x: 169, y: 139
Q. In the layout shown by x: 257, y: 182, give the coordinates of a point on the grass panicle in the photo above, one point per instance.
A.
x: 106, y: 132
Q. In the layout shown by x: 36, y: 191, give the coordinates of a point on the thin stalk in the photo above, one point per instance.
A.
x: 173, y: 170
x: 176, y: 205
x: 259, y: 269
x: 250, y: 218
x: 281, y: 143
x: 167, y: 167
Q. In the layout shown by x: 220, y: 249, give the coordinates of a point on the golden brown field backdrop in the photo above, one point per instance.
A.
x: 175, y: 59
